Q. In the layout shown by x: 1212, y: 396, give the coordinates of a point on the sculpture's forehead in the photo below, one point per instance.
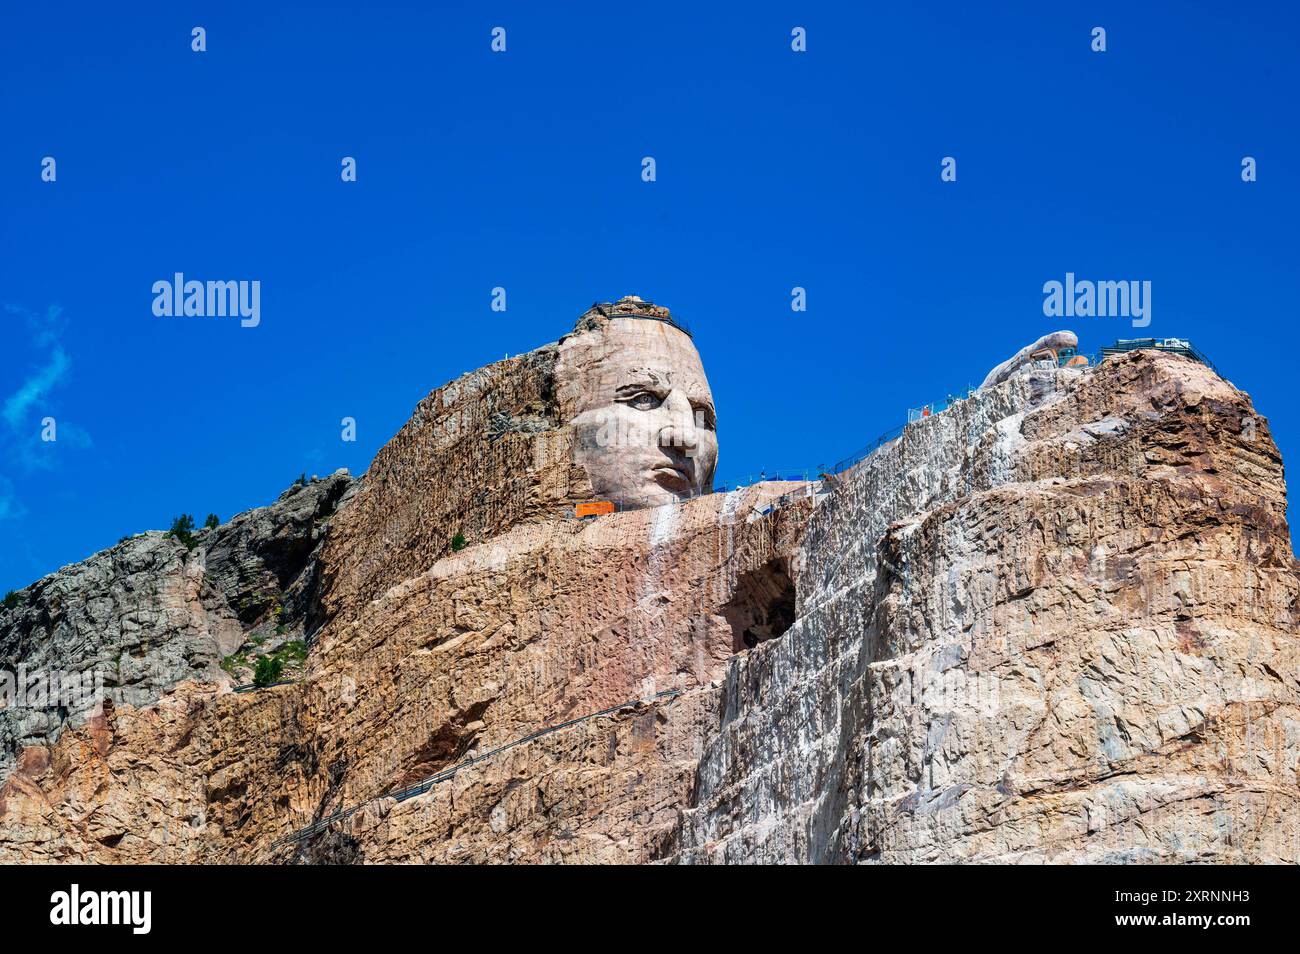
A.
x: 634, y: 350
x: 664, y: 376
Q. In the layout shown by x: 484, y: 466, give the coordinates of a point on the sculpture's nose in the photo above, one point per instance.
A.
x: 679, y: 432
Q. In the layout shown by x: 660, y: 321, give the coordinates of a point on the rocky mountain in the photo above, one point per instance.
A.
x: 151, y: 612
x: 1055, y: 622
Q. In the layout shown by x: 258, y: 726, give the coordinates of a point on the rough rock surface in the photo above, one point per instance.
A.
x: 149, y: 613
x: 1056, y: 622
x: 549, y: 622
x: 478, y: 455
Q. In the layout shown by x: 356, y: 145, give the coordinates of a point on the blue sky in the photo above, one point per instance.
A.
x: 522, y: 169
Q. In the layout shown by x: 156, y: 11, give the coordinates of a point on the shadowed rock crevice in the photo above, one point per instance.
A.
x: 763, y: 606
x: 448, y: 744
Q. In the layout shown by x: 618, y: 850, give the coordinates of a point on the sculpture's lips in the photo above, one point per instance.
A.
x: 671, y: 477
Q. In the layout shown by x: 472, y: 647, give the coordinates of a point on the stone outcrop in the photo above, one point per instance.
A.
x: 479, y: 455
x: 1056, y: 622
x: 151, y: 613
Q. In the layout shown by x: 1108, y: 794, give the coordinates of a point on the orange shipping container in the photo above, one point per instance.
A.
x: 594, y: 508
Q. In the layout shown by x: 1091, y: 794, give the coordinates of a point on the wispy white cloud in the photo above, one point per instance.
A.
x: 24, y: 409
x: 36, y: 387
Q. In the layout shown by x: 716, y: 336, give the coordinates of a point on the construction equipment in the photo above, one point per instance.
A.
x: 1061, y: 357
x: 593, y: 508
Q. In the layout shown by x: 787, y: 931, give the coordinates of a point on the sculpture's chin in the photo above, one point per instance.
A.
x: 656, y: 492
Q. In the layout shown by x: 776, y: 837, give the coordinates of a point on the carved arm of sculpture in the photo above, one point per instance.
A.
x: 1054, y: 342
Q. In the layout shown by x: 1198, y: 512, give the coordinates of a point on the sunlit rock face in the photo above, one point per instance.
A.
x: 1054, y: 622
x: 634, y: 391
x: 479, y: 455
x: 139, y: 618
x: 619, y: 410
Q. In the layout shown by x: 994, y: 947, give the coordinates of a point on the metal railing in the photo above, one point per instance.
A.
x: 808, y: 475
x: 1169, y: 345
x: 936, y: 407
x: 252, y: 686
x: 607, y: 310
x: 858, y: 456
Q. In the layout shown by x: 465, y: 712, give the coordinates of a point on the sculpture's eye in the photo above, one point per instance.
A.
x: 705, y: 418
x: 645, y: 401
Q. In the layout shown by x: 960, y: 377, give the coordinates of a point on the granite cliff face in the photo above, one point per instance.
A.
x: 1056, y: 622
x: 150, y: 613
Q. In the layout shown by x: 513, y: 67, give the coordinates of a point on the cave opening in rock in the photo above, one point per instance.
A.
x: 762, y: 606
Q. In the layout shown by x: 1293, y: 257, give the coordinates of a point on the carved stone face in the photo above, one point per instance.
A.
x: 642, y: 412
